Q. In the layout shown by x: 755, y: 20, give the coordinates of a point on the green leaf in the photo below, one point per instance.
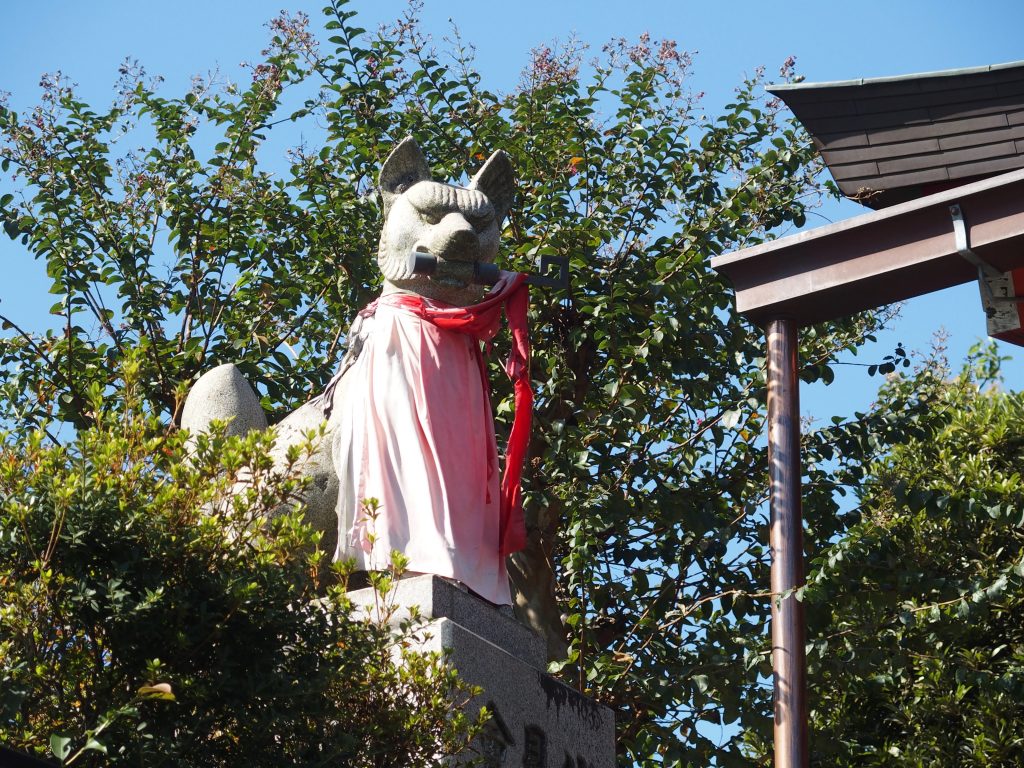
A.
x: 93, y: 744
x: 60, y: 746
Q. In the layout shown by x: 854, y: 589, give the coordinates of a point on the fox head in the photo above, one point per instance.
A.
x: 457, y: 224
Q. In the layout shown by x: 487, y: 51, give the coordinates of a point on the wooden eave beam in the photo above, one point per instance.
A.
x: 881, y: 257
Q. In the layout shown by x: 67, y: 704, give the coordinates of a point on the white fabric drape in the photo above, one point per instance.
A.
x: 416, y: 433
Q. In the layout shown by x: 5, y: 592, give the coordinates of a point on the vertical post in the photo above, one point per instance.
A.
x: 787, y: 550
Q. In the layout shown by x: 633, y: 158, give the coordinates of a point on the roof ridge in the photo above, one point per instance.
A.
x: 781, y: 87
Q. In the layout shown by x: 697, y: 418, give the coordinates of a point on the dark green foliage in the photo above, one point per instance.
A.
x: 646, y: 480
x: 149, y: 618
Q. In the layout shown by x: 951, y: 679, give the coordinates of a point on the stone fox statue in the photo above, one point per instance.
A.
x: 408, y: 417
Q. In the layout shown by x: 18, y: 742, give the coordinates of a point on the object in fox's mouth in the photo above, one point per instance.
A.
x: 424, y: 263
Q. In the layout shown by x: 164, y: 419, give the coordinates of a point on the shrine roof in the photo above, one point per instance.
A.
x: 887, y: 140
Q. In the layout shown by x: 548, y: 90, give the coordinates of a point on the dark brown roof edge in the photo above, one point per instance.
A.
x: 881, y: 257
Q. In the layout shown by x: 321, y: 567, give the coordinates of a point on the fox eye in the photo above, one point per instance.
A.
x: 479, y: 220
x: 432, y: 215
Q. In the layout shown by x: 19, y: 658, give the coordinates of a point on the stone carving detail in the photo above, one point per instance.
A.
x: 495, y: 739
x: 535, y: 747
x: 460, y: 226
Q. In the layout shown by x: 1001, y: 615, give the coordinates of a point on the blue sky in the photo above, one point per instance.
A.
x: 832, y: 41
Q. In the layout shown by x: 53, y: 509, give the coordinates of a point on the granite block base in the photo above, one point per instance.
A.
x: 537, y: 721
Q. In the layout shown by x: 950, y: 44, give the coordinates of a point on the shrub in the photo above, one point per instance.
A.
x: 151, y: 617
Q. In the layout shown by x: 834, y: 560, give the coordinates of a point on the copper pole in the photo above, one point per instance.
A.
x: 786, y: 540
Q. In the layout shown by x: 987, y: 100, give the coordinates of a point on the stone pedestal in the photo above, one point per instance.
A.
x: 538, y: 722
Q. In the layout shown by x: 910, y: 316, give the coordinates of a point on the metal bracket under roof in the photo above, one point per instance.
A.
x: 963, y: 246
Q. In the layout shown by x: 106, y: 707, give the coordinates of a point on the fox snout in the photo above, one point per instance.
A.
x: 453, y: 238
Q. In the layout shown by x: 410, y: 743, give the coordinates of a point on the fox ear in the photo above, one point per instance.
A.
x: 497, y: 180
x: 404, y: 167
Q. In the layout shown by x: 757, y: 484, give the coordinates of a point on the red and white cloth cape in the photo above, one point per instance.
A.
x: 416, y: 433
